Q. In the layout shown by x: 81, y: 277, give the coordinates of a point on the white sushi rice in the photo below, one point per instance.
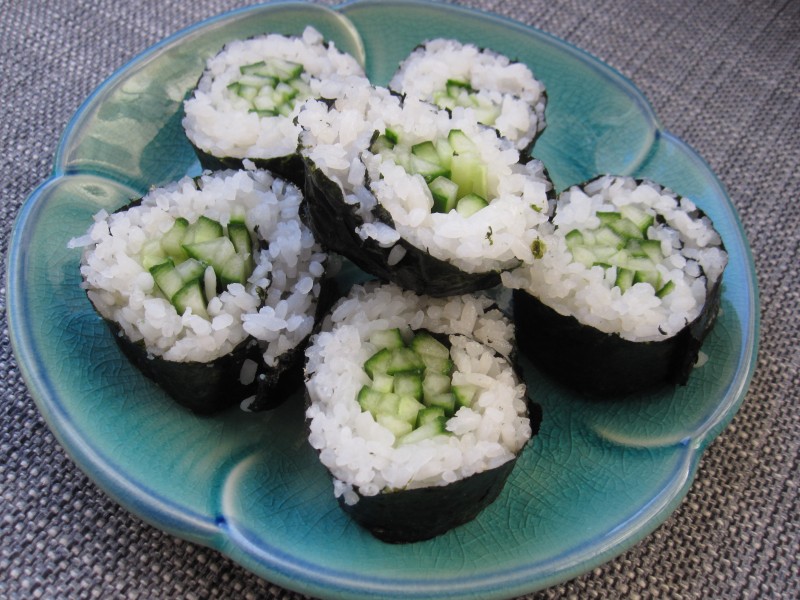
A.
x: 694, y: 261
x: 287, y: 271
x: 358, y: 451
x: 496, y: 237
x: 509, y: 86
x: 220, y: 123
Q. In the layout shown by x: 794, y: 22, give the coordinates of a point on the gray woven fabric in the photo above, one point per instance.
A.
x: 722, y: 75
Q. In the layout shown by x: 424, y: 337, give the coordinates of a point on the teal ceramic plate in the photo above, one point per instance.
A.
x: 596, y: 480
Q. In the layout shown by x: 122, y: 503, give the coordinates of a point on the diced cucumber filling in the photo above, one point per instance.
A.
x: 621, y: 242
x: 271, y: 87
x: 410, y: 390
x: 461, y: 93
x: 193, y: 262
x: 452, y: 168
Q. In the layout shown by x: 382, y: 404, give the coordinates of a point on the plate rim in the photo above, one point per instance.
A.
x: 207, y: 531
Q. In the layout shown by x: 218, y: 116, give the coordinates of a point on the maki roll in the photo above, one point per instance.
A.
x: 626, y: 290
x: 420, y: 196
x: 504, y: 94
x: 210, y: 286
x: 415, y: 408
x: 245, y: 102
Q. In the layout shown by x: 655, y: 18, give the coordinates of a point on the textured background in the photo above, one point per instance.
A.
x: 723, y: 75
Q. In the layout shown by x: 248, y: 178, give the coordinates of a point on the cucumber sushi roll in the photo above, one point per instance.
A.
x: 424, y: 197
x: 504, y: 94
x: 626, y: 290
x: 210, y: 285
x: 245, y: 102
x: 415, y: 408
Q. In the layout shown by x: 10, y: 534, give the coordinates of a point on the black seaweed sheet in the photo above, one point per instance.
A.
x: 604, y: 364
x: 289, y: 167
x: 406, y: 516
x: 203, y: 387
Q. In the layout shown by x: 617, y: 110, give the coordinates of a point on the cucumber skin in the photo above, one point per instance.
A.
x: 334, y: 224
x: 605, y: 365
x: 407, y: 516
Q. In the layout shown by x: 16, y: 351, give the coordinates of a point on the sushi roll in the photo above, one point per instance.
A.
x: 415, y: 408
x: 420, y: 196
x: 626, y: 291
x: 210, y: 285
x: 244, y: 104
x: 504, y: 94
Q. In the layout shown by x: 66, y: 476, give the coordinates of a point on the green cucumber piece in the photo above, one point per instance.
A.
x: 172, y: 241
x: 369, y: 399
x: 458, y: 85
x: 666, y: 289
x: 652, y: 248
x: 190, y: 296
x: 387, y: 338
x: 408, y: 408
x: 426, y: 151
x: 434, y: 384
x: 430, y: 413
x: 383, y: 383
x: 152, y: 254
x: 626, y: 228
x: 405, y: 360
x: 607, y: 217
x: 445, y: 401
x: 652, y: 277
x: 239, y: 235
x: 202, y: 230
x: 424, y: 343
x: 461, y: 143
x: 381, y: 144
x: 574, y: 239
x: 624, y: 279
x: 391, y: 136
x: 485, y: 112
x: 470, y: 204
x: 236, y: 269
x: 428, y: 170
x: 215, y: 252
x: 167, y: 278
x: 465, y: 394
x: 378, y: 362
x: 445, y: 194
x: 470, y: 174
x: 638, y: 216
x: 606, y: 236
x: 423, y: 432
x: 387, y: 405
x: 583, y: 255
x: 444, y: 151
x: 396, y: 425
x: 190, y: 269
x: 408, y: 384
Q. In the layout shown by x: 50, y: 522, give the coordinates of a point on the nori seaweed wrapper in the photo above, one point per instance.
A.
x: 210, y: 387
x: 334, y: 223
x: 203, y: 387
x: 604, y: 364
x: 289, y: 167
x: 406, y: 516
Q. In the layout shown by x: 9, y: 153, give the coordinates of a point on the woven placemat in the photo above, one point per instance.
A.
x: 723, y: 76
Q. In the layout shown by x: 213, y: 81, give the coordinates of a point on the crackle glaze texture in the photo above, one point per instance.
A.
x: 597, y: 479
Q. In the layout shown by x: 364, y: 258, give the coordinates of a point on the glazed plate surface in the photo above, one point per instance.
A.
x: 598, y: 478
